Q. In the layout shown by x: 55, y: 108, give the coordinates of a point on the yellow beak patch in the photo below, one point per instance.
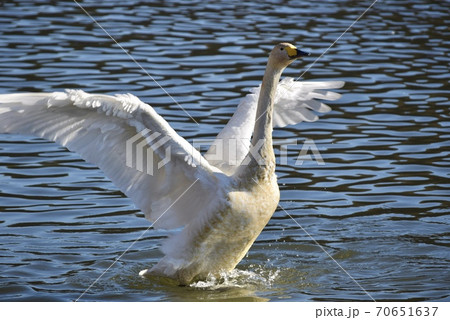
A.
x: 291, y: 51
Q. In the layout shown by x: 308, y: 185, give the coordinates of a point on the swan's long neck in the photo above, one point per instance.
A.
x: 260, y: 163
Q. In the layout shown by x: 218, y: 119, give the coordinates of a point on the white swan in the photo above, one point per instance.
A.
x: 222, y: 204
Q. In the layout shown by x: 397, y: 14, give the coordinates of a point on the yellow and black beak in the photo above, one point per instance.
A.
x: 300, y: 53
x: 295, y: 53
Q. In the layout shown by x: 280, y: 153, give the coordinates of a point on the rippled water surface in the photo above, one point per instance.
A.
x: 379, y: 206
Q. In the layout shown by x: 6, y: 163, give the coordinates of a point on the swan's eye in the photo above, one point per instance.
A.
x: 281, y: 49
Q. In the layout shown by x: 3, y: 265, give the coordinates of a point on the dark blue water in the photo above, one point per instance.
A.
x: 379, y: 206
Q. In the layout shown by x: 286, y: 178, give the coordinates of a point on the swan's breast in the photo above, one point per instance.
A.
x: 240, y: 223
x: 220, y: 242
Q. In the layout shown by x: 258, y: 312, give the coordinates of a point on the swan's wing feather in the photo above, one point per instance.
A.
x: 98, y: 128
x: 295, y: 102
x: 232, y: 143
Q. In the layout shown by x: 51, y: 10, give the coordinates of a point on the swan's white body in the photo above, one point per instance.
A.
x: 222, y: 204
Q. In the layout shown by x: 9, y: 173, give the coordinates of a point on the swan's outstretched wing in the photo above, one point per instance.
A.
x: 295, y: 102
x: 98, y: 127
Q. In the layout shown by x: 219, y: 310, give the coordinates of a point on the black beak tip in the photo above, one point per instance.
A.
x: 301, y: 53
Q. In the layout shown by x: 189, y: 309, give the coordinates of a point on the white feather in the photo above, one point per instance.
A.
x: 98, y: 126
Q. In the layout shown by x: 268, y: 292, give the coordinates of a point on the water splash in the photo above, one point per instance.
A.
x: 236, y: 278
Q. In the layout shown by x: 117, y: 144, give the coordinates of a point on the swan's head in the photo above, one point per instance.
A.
x: 285, y: 53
